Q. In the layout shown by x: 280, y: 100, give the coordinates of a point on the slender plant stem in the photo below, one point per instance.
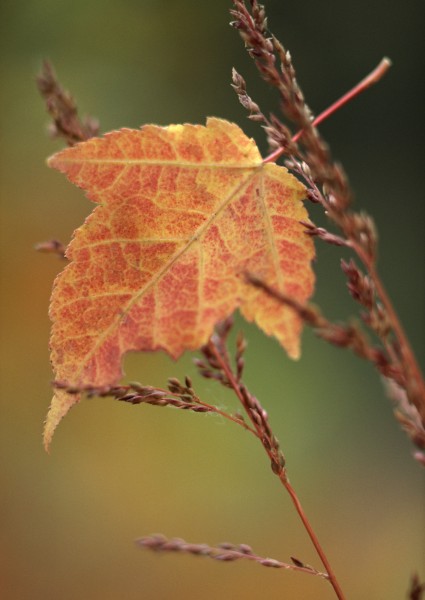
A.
x: 283, y: 478
x: 312, y: 535
x: 373, y: 77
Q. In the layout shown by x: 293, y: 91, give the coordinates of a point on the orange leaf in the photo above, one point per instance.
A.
x: 183, y: 212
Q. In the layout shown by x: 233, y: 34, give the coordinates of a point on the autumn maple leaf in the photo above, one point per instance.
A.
x: 183, y: 213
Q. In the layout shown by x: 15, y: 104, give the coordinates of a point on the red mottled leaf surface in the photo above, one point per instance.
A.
x: 183, y: 211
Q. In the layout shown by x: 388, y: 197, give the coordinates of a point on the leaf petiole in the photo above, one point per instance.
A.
x: 373, y: 77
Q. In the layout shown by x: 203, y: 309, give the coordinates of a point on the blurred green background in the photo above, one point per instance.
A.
x: 116, y: 472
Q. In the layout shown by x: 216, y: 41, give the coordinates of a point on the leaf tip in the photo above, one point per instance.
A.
x: 51, y: 161
x: 60, y: 405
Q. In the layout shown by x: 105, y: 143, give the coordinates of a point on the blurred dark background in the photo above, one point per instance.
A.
x: 116, y: 472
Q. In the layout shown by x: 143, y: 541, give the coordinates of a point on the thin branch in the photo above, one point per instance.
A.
x: 177, y: 396
x: 225, y: 552
x: 313, y: 537
x: 259, y: 418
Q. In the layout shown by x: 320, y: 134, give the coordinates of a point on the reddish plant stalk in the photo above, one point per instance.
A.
x: 298, y: 507
x: 281, y: 473
x: 363, y: 85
